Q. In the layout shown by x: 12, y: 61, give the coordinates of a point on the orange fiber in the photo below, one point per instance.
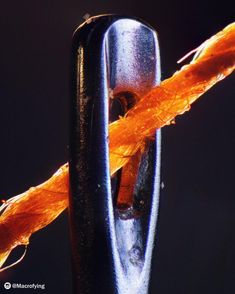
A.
x: 26, y: 213
x: 172, y: 97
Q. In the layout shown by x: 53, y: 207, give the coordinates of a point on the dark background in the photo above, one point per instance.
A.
x: 195, y: 251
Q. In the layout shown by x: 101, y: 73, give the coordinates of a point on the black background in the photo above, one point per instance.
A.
x: 195, y: 251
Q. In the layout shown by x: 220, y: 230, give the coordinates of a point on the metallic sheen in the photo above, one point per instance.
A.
x: 111, y: 54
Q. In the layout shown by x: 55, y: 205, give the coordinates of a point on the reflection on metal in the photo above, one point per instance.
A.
x: 110, y: 253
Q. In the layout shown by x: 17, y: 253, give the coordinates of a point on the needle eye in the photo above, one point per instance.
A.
x: 120, y: 104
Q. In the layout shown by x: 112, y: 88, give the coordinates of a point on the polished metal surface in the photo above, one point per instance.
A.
x: 132, y: 56
x: 110, y: 254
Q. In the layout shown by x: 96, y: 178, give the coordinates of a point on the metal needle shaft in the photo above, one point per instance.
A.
x: 111, y: 253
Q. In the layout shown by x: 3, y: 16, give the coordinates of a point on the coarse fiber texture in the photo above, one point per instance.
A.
x: 26, y: 213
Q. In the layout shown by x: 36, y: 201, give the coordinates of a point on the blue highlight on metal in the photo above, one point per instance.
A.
x: 110, y: 254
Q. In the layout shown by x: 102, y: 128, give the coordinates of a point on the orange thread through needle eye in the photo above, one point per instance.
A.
x: 24, y: 214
